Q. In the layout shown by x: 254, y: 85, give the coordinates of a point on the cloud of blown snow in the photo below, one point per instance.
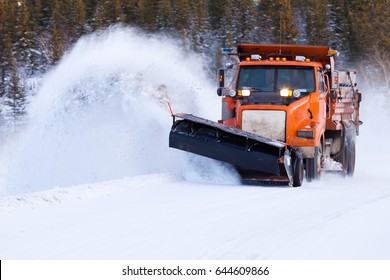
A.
x: 102, y: 113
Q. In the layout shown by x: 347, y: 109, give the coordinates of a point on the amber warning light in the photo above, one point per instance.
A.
x: 221, y: 77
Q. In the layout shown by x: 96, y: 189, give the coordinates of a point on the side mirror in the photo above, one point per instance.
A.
x: 221, y: 77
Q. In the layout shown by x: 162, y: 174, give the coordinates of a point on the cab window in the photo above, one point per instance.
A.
x: 320, y: 83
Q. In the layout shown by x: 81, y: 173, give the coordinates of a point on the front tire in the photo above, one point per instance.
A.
x: 313, y: 166
x: 298, y: 172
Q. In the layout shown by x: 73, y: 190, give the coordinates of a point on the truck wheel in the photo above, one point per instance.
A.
x: 351, y: 151
x: 347, y: 157
x: 310, y: 167
x: 298, y: 172
x: 313, y: 166
x: 344, y: 157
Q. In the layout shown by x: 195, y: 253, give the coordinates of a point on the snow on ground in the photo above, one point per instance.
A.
x: 160, y: 216
x: 92, y: 176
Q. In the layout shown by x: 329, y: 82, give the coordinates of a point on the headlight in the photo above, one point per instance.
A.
x: 285, y: 92
x: 245, y: 92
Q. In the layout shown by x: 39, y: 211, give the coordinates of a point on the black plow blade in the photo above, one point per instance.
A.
x: 246, y: 151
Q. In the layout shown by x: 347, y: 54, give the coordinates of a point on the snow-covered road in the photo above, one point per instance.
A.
x: 92, y: 177
x: 159, y: 216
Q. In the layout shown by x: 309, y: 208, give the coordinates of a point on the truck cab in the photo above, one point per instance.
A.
x: 287, y: 114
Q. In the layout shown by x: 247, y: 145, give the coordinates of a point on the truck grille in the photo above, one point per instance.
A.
x: 267, y: 123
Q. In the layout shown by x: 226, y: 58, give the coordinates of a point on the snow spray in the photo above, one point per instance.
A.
x: 102, y: 114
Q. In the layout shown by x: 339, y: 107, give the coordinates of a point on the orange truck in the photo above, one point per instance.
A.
x: 287, y: 115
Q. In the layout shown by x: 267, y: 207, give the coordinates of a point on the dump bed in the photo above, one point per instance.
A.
x: 322, y: 54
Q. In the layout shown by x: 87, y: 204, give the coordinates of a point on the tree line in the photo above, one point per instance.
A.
x: 34, y: 34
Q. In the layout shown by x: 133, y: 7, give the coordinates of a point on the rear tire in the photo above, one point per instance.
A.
x: 351, y: 155
x: 347, y: 156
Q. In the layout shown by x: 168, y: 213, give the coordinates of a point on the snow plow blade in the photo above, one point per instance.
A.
x: 246, y: 151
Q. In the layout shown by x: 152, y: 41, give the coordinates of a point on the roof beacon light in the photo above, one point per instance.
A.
x: 255, y: 57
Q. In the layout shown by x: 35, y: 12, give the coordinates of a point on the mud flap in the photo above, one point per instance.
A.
x: 246, y: 151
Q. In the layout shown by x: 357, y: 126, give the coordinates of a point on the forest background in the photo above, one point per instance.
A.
x: 34, y: 34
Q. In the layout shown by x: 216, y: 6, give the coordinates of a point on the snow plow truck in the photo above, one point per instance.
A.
x: 287, y: 115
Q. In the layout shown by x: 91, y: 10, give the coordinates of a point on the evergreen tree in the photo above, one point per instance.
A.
x: 199, y: 25
x: 98, y: 17
x: 35, y: 33
x: 15, y: 100
x: 78, y: 17
x: 24, y: 33
x: 132, y: 11
x: 370, y: 43
x: 216, y: 11
x: 338, y: 26
x: 56, y: 23
x: 36, y: 14
x: 317, y: 24
x: 278, y: 15
x: 113, y: 11
x: 181, y: 12
x: 245, y: 21
x: 147, y: 14
x: 3, y: 60
x: 165, y: 16
x: 381, y: 45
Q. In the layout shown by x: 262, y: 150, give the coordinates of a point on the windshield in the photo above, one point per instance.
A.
x: 269, y: 80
